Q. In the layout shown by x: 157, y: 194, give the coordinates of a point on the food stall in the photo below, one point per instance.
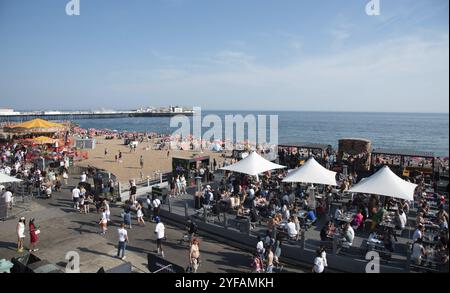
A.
x: 189, y: 167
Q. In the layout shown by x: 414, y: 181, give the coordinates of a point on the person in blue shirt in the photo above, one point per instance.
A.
x: 311, y: 216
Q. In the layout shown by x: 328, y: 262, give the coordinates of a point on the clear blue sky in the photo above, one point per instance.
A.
x: 226, y: 54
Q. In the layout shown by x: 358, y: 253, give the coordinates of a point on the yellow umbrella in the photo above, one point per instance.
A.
x: 38, y: 123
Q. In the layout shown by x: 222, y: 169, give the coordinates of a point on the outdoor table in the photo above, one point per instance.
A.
x: 302, y: 214
x: 393, y: 209
x: 282, y: 226
x: 431, y: 227
x: 345, y: 219
x: 387, y: 224
x: 375, y: 244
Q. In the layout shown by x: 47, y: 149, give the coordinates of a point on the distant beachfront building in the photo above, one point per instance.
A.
x: 176, y: 109
x: 8, y: 111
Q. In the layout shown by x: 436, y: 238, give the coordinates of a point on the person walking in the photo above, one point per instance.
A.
x: 127, y: 215
x: 65, y: 177
x: 156, y: 203
x: 76, y: 197
x: 123, y: 240
x: 160, y: 235
x: 20, y: 234
x: 133, y: 191
x: 178, y: 185
x: 172, y: 187
x: 106, y: 152
x: 107, y: 210
x: 103, y: 222
x: 34, y: 231
x: 141, y: 161
x: 183, y: 185
x: 269, y: 268
x: 194, y: 255
x: 319, y: 262
x: 83, y: 177
x: 257, y: 264
x: 140, y: 215
x: 8, y: 197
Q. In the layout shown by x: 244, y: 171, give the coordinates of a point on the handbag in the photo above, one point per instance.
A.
x: 37, y: 231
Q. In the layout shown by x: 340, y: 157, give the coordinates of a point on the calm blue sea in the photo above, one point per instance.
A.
x: 420, y: 132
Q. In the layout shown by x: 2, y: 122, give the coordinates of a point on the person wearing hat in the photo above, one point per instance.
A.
x: 160, y: 234
x: 20, y: 234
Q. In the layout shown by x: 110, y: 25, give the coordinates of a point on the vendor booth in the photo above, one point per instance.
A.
x: 189, y: 167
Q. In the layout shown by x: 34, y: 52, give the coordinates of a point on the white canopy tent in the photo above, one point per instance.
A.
x: 253, y: 165
x: 387, y: 183
x: 8, y: 179
x: 312, y: 172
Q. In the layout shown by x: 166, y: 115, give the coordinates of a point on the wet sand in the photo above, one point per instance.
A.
x: 129, y: 168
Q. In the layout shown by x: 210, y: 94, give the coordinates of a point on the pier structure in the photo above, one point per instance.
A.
x: 75, y: 115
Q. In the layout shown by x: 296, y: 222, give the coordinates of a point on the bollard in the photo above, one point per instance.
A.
x: 408, y: 258
x: 204, y: 214
x: 148, y: 182
x: 169, y: 203
x: 335, y: 246
x: 247, y: 226
x: 186, y: 208
x: 225, y: 221
x: 302, y: 239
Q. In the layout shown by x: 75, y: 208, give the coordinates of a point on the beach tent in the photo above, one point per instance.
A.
x: 37, y: 123
x: 253, y: 165
x: 8, y: 179
x: 386, y: 183
x: 312, y: 172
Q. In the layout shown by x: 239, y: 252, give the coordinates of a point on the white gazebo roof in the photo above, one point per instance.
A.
x: 312, y: 172
x: 253, y: 165
x: 8, y: 179
x: 386, y: 183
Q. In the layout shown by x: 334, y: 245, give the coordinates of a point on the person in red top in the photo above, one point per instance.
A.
x: 34, y: 231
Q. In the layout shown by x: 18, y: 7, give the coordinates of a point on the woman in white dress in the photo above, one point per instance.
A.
x: 20, y: 234
x: 140, y: 215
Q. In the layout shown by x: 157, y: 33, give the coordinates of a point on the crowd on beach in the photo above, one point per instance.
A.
x: 287, y: 210
x: 17, y: 161
x: 290, y: 210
